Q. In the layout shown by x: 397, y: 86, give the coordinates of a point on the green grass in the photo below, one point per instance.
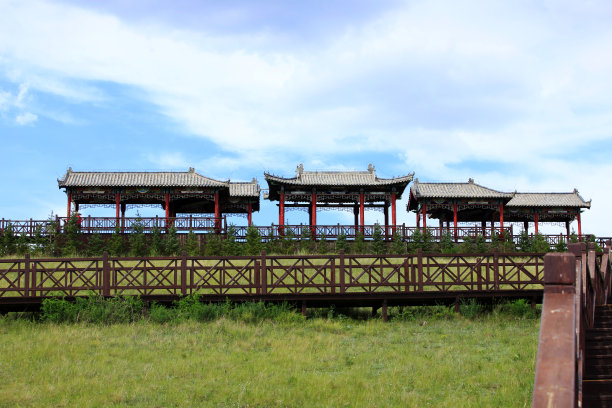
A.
x: 418, y: 360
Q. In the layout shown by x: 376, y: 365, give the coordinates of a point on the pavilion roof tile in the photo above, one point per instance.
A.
x: 244, y: 189
x: 338, y: 178
x: 548, y: 200
x: 455, y: 190
x: 137, y: 179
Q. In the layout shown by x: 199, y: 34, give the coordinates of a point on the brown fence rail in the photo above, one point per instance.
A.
x: 576, y: 284
x: 273, y: 277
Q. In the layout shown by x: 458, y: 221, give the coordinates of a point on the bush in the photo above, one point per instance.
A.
x: 116, y: 245
x: 214, y: 245
x: 171, y: 246
x: 138, y: 243
x: 561, y: 246
x: 540, y: 244
x: 95, y: 245
x: 9, y: 242
x: 253, y: 245
x: 519, y: 308
x: 157, y: 242
x: 322, y: 245
x: 306, y: 242
x: 471, y: 308
x: 71, y: 234
x: 230, y: 247
x: 398, y: 246
x: 342, y: 244
x: 359, y: 245
x: 23, y: 246
x: 92, y: 309
x: 378, y: 242
x: 447, y: 245
x: 191, y: 244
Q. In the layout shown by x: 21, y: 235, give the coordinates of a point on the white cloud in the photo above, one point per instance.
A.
x: 26, y: 118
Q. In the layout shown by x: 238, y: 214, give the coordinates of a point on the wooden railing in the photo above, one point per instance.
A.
x: 575, y: 283
x: 265, y: 275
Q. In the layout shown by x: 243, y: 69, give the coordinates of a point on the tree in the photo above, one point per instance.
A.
x: 9, y: 242
x: 157, y: 242
x: 341, y: 243
x: 191, y: 244
x: 138, y: 244
x: 95, y: 245
x: 322, y: 246
x: 378, y: 242
x: 253, y: 244
x: 172, y: 246
x: 71, y: 235
x: 116, y: 245
x: 398, y: 246
x: 306, y: 242
x: 359, y: 245
x: 230, y: 246
x: 447, y: 245
x: 23, y: 246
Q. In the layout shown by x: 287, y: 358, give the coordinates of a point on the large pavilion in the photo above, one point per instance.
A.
x: 176, y: 192
x: 352, y: 190
x: 471, y: 202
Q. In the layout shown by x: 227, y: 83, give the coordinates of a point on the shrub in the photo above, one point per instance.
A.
x: 306, y: 242
x: 116, y: 245
x: 138, y: 244
x: 359, y: 245
x: 540, y: 244
x: 561, y: 246
x: 214, y: 245
x: 191, y: 244
x: 341, y: 243
x: 378, y: 242
x: 95, y: 245
x: 398, y: 246
x: 230, y: 246
x: 9, y: 242
x: 157, y: 242
x: 447, y: 245
x: 171, y: 245
x: 23, y: 246
x: 525, y: 242
x: 322, y: 245
x: 471, y: 308
x: 71, y: 234
x: 253, y: 245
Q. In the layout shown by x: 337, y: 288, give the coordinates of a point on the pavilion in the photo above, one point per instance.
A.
x: 471, y: 202
x: 176, y: 192
x: 352, y: 190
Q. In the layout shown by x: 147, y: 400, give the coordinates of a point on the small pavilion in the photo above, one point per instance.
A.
x: 352, y: 190
x: 471, y: 202
x: 176, y: 192
x: 457, y: 202
x: 547, y: 207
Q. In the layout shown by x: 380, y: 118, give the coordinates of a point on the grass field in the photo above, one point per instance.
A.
x: 487, y: 361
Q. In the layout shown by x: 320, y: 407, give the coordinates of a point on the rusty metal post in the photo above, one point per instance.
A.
x: 105, y: 275
x: 555, y: 378
x: 184, y: 273
x: 26, y: 275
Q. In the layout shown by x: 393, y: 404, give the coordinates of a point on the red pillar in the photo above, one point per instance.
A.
x: 501, y: 218
x: 579, y: 225
x: 117, y: 205
x: 123, y: 207
x: 250, y: 214
x: 567, y: 230
x: 418, y: 218
x: 361, y: 209
x: 281, y: 212
x: 217, y: 213
x: 393, y: 214
x: 455, y: 220
x: 313, y: 230
x: 69, y: 204
x: 536, y: 216
x: 424, y: 218
x: 167, y: 202
x: 386, y: 219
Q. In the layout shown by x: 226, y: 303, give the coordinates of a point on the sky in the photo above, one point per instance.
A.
x: 514, y: 94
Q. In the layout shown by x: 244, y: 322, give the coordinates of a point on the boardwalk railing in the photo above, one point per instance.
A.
x: 574, y: 284
x: 106, y: 225
x: 264, y: 276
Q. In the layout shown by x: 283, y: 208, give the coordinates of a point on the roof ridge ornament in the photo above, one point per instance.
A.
x: 191, y: 170
x: 471, y: 180
x: 371, y: 168
x: 300, y: 169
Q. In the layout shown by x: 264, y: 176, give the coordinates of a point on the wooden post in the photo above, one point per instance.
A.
x: 167, y: 202
x: 555, y: 376
x: 385, y: 318
x: 495, y: 269
x: 386, y: 221
x: 257, y: 275
x: 26, y: 275
x: 105, y: 275
x: 332, y: 277
x: 69, y: 204
x: 418, y: 219
x: 424, y: 218
x: 455, y: 220
x: 393, y: 210
x: 217, y: 214
x: 362, y: 209
x: 184, y: 273
x: 536, y: 218
x: 313, y: 230
x: 406, y: 275
x: 281, y: 212
x: 579, y: 225
x: 304, y: 310
x: 501, y: 219
x: 567, y: 229
x: 420, y: 268
x: 117, y: 207
x: 356, y: 214
x: 342, y: 277
x: 264, y: 274
x: 250, y: 214
x: 526, y: 226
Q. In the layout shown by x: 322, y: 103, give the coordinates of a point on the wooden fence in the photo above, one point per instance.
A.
x: 575, y: 284
x: 325, y: 278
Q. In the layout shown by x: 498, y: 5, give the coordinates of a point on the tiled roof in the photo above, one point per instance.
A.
x: 137, y: 179
x: 548, y: 200
x: 249, y: 189
x: 455, y: 190
x: 338, y: 178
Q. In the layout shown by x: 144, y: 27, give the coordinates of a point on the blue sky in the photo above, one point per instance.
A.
x: 515, y: 94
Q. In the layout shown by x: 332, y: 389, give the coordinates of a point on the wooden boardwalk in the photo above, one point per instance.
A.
x: 312, y: 280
